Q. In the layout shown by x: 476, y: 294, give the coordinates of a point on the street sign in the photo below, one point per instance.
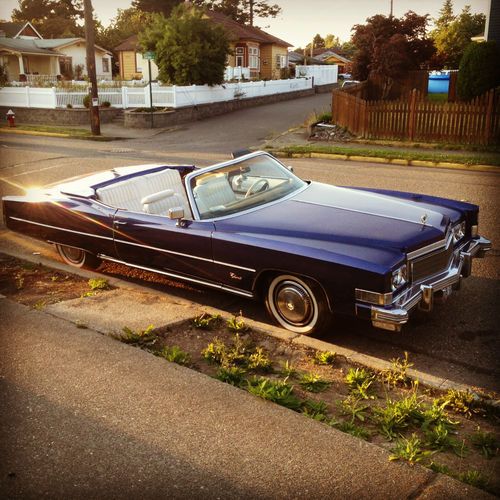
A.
x: 149, y: 55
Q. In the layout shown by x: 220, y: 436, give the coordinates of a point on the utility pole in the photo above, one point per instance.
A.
x: 390, y: 15
x: 251, y: 12
x: 95, y: 124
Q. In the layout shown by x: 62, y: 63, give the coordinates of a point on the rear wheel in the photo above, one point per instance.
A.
x: 297, y: 304
x: 78, y: 258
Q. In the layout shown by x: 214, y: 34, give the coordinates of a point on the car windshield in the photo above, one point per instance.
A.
x: 242, y: 185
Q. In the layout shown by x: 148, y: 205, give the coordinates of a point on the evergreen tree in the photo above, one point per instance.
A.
x: 190, y: 49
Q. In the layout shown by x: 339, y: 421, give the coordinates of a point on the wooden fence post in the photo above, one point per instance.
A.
x: 412, y: 115
x: 489, y: 116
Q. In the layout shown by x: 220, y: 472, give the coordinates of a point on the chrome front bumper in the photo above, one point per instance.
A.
x: 422, y: 294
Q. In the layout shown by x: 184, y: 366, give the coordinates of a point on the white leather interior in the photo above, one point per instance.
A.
x: 212, y: 191
x: 153, y: 193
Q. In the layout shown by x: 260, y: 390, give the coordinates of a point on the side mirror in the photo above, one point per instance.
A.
x: 176, y: 213
x: 290, y: 168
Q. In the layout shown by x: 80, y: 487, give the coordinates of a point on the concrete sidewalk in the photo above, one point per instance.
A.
x: 86, y: 416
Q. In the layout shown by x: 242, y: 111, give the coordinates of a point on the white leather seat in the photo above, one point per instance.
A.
x: 212, y: 191
x: 129, y: 194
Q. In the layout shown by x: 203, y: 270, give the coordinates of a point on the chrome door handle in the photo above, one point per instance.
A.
x: 119, y: 223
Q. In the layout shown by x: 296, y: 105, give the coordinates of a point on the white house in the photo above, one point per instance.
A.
x: 27, y: 56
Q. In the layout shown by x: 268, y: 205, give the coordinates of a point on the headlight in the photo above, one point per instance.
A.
x: 399, y: 277
x: 458, y: 232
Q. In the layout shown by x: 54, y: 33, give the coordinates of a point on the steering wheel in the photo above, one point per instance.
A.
x: 263, y: 185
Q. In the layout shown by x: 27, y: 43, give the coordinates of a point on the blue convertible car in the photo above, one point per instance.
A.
x: 249, y: 226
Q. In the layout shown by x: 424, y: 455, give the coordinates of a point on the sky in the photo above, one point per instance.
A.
x: 300, y: 20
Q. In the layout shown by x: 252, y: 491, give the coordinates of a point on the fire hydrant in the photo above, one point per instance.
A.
x: 11, y: 118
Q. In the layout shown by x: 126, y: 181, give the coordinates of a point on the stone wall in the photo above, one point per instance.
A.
x: 324, y: 89
x: 71, y: 117
x: 193, y: 113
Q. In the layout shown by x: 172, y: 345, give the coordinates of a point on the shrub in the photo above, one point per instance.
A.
x: 86, y: 101
x: 69, y: 105
x: 478, y: 71
x: 105, y: 104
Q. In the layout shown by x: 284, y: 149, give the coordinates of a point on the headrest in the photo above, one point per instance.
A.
x: 160, y: 195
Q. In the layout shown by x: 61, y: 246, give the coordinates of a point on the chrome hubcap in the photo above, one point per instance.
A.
x: 293, y: 303
x: 73, y: 254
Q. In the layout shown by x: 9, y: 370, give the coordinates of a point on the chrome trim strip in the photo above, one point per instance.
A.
x: 362, y: 212
x: 62, y: 228
x: 376, y: 298
x: 180, y: 277
x: 180, y: 254
x: 430, y: 248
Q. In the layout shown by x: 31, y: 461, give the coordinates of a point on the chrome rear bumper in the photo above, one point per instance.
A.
x: 423, y: 294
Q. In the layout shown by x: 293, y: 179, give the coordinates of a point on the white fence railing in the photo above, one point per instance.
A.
x: 323, y: 75
x: 236, y: 73
x: 130, y: 97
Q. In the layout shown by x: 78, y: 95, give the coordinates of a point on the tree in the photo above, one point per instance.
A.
x: 318, y: 42
x: 164, y: 7
x: 53, y: 18
x: 190, y: 49
x: 453, y: 33
x: 479, y: 70
x: 242, y: 11
x: 332, y: 41
x: 387, y: 47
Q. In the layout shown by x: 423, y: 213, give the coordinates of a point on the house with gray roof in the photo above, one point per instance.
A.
x: 27, y: 56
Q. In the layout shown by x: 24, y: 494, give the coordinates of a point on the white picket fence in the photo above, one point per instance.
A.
x: 323, y: 75
x: 130, y: 97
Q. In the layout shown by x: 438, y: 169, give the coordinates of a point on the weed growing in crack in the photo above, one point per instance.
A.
x: 277, y: 391
x: 141, y: 338
x: 313, y: 383
x: 206, y: 321
x: 288, y: 370
x: 463, y: 402
x: 486, y: 442
x: 354, y: 408
x: 359, y: 382
x: 324, y: 357
x: 237, y: 325
x: 317, y: 410
x: 409, y: 449
x: 352, y: 429
x: 175, y: 354
x: 233, y: 375
x: 474, y: 478
x: 259, y: 360
x: 397, y: 374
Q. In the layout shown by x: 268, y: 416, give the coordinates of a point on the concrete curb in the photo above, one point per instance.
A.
x: 393, y: 161
x: 60, y: 135
x: 371, y: 362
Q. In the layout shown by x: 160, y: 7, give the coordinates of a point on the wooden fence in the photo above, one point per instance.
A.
x: 415, y: 119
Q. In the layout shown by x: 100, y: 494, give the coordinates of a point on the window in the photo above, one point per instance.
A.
x: 105, y: 65
x: 281, y: 61
x: 66, y: 66
x: 240, y: 56
x: 253, y: 62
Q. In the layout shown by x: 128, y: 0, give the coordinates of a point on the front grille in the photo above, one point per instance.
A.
x: 431, y: 264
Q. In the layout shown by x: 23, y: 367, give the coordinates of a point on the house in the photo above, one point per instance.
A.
x: 295, y: 58
x: 254, y: 52
x: 328, y: 56
x: 29, y: 57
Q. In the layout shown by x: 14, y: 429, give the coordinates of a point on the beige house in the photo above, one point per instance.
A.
x: 260, y: 54
x: 29, y: 57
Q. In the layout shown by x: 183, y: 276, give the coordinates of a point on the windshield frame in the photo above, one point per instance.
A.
x: 188, y: 180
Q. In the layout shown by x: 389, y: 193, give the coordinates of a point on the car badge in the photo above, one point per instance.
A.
x: 424, y: 218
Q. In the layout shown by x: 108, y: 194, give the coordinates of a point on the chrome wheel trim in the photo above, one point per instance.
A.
x: 71, y: 255
x: 293, y: 304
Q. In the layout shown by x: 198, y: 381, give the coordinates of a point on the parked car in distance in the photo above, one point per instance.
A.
x: 349, y: 83
x: 249, y: 226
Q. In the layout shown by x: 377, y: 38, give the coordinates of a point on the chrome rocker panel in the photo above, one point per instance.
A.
x: 423, y: 294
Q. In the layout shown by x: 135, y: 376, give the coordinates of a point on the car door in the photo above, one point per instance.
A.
x: 159, y: 243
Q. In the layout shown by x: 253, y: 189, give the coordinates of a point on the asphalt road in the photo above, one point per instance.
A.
x: 459, y: 340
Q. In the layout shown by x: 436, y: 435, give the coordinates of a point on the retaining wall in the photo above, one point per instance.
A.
x: 71, y: 117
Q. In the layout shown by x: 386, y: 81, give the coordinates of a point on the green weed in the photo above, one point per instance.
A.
x: 19, y: 278
x: 98, y: 284
x: 397, y: 374
x: 237, y: 325
x: 486, y: 443
x: 142, y: 338
x: 438, y: 438
x: 288, y: 370
x: 215, y: 351
x: 259, y: 360
x: 206, y: 321
x: 462, y: 402
x: 440, y: 468
x: 359, y: 382
x: 474, y: 478
x: 324, y: 357
x: 39, y: 305
x: 233, y: 375
x: 354, y: 408
x: 352, y: 429
x: 313, y: 383
x: 175, y: 354
x: 409, y: 449
x: 316, y: 410
x: 277, y: 391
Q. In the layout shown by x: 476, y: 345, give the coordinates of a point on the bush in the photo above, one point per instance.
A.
x: 69, y: 105
x: 4, y: 77
x: 105, y: 104
x: 86, y: 101
x: 478, y: 70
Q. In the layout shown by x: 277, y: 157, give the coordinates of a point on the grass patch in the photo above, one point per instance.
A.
x: 277, y: 391
x: 433, y: 156
x: 73, y: 132
x: 175, y: 354
x: 441, y: 98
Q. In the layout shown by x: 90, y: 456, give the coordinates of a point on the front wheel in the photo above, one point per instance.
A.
x: 297, y: 304
x: 78, y: 258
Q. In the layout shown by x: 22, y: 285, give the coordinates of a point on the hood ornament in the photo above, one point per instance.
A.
x: 424, y: 218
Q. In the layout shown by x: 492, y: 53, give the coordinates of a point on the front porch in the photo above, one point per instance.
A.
x: 35, y: 69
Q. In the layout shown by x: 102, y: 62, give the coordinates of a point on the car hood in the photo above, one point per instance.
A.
x: 347, y: 216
